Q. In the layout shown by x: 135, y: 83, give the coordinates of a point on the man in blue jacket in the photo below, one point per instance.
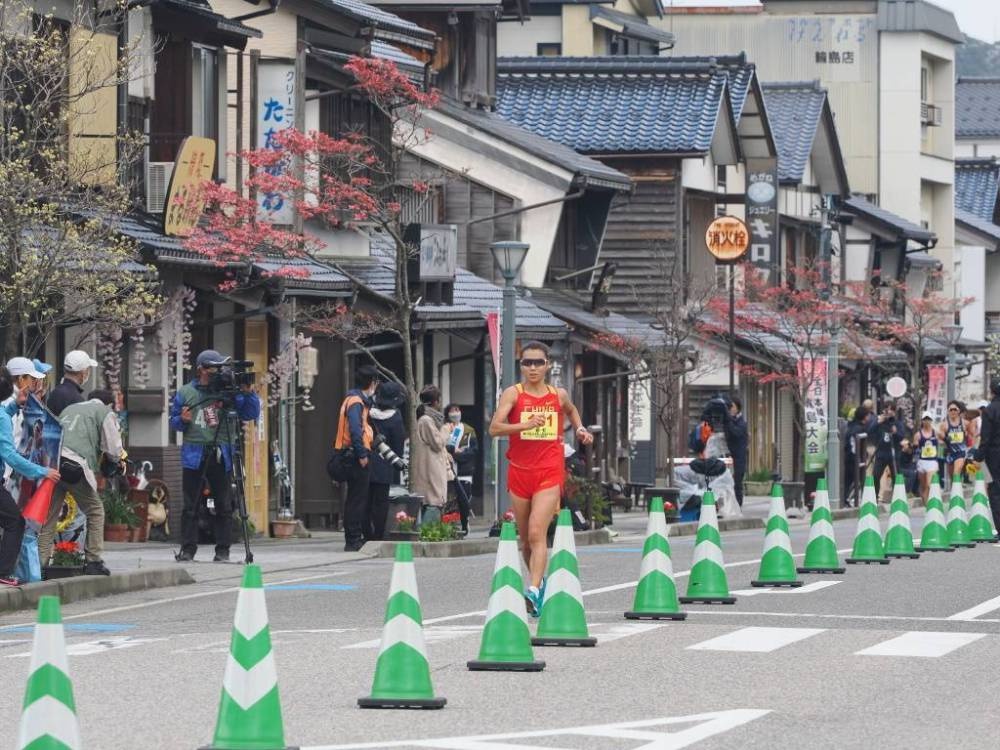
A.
x: 198, y: 411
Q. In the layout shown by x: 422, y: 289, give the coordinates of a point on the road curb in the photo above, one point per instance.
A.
x: 90, y: 587
x: 469, y: 547
x: 690, y: 528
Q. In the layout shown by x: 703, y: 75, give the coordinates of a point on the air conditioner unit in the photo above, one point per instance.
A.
x: 934, y: 114
x: 157, y: 181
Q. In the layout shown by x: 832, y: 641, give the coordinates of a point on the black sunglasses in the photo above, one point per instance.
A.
x: 533, y: 362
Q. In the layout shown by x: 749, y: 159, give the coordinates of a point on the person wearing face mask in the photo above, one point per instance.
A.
x: 76, y: 371
x: 463, y: 445
x: 386, y: 421
x: 429, y: 461
x: 355, y: 431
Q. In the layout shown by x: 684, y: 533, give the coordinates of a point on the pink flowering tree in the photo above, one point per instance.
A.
x: 337, y: 181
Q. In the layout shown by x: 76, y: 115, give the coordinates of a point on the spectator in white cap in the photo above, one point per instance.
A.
x: 76, y: 370
x: 25, y: 375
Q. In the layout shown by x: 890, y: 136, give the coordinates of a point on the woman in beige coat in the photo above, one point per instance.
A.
x: 429, y: 460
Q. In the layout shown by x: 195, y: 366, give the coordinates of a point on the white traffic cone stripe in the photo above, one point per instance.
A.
x: 821, y: 500
x: 48, y: 716
x: 49, y: 647
x: 707, y: 551
x: 868, y: 495
x: 707, y: 516
x: 251, y: 612
x: 506, y: 600
x: 508, y: 556
x: 821, y: 529
x: 934, y: 515
x: 869, y: 523
x: 563, y: 581
x: 564, y: 540
x: 777, y: 538
x: 404, y: 579
x: 899, y: 518
x: 403, y: 629
x: 657, y: 525
x: 956, y: 512
x: 247, y: 686
x: 656, y: 560
x: 777, y: 508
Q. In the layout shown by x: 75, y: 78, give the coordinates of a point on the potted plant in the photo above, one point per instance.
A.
x: 438, y: 531
x: 284, y: 525
x: 507, y: 517
x: 758, y: 482
x: 405, y: 529
x: 119, y: 515
x: 67, y: 561
x: 588, y: 496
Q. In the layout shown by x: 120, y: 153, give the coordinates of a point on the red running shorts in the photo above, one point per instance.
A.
x: 527, y: 483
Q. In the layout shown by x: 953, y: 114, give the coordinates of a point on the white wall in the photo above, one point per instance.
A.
x: 971, y: 277
x: 522, y: 39
x: 899, y: 124
x: 977, y: 148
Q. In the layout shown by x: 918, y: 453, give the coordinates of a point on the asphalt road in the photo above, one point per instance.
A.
x: 887, y: 657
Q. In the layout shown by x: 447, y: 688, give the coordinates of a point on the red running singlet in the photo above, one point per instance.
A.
x: 537, y: 461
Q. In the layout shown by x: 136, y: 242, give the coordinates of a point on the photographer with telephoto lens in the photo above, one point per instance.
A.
x: 199, y: 412
x: 388, y: 441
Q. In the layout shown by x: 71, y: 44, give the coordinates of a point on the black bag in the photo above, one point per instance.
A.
x: 340, y: 467
x: 70, y: 471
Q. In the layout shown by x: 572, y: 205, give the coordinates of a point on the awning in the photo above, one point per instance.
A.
x: 633, y: 27
x: 888, y: 222
x: 233, y: 33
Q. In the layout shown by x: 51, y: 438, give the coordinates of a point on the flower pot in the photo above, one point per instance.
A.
x: 116, y: 532
x: 671, y: 500
x: 751, y: 488
x: 51, y: 572
x: 283, y: 528
x: 403, y: 536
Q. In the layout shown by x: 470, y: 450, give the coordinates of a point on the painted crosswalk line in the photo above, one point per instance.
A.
x: 756, y: 639
x: 668, y: 733
x: 625, y: 630
x: 972, y: 613
x: 921, y: 643
x: 99, y: 647
x: 809, y: 588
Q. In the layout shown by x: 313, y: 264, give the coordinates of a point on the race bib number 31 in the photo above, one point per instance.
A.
x: 547, y: 431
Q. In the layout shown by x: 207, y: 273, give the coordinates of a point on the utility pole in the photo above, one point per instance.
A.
x: 833, y: 461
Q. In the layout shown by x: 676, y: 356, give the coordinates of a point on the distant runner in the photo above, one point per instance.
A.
x: 531, y: 414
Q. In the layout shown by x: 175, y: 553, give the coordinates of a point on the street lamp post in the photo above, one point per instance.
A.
x: 508, y: 256
x: 952, y: 335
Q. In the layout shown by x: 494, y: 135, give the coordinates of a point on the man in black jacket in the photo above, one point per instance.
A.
x: 737, y: 440
x: 76, y: 370
x: 387, y: 421
x: 989, y: 449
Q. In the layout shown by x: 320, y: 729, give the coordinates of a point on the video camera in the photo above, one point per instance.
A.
x: 232, y: 376
x: 386, y: 453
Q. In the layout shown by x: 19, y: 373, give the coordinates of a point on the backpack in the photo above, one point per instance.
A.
x: 698, y: 437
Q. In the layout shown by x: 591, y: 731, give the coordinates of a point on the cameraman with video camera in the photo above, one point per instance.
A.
x: 198, y: 411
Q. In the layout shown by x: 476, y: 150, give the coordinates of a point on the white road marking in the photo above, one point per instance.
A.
x: 650, y: 732
x: 758, y: 640
x: 172, y: 599
x: 923, y: 643
x: 624, y: 630
x: 807, y: 589
x: 819, y: 616
x: 99, y: 647
x: 980, y: 609
x: 431, y: 635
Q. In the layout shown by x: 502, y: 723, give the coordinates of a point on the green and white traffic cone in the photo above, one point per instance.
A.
x: 250, y: 709
x: 821, y: 550
x: 563, y: 621
x: 48, y: 714
x: 958, y: 521
x: 898, y: 535
x: 402, y: 674
x: 777, y: 565
x: 656, y: 594
x: 980, y: 516
x: 707, y: 582
x: 506, y: 644
x: 934, y: 537
x: 868, y: 548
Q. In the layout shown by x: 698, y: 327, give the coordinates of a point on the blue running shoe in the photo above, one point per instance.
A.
x: 533, y: 600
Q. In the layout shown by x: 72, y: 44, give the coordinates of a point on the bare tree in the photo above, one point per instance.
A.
x: 64, y: 166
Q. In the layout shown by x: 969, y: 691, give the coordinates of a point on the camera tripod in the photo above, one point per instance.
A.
x: 237, y: 471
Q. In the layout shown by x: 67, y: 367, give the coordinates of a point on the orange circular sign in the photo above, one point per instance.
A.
x: 727, y: 239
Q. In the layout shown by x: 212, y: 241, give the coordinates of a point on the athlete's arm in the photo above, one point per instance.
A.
x: 499, y: 426
x: 573, y: 415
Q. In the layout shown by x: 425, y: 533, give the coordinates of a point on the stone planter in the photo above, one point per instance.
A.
x: 403, y: 536
x: 752, y: 489
x: 283, y: 528
x: 793, y: 492
x: 51, y: 572
x: 116, y: 532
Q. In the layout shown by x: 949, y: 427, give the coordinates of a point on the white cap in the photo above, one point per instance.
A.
x: 18, y: 366
x: 927, y: 415
x: 78, y: 361
x: 983, y: 405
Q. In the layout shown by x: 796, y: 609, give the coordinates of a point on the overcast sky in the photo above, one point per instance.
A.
x: 978, y: 18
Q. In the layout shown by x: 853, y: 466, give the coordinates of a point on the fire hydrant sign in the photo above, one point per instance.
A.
x: 275, y: 112
x: 812, y: 379
x: 727, y: 238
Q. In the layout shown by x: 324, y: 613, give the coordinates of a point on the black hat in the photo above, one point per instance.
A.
x: 390, y: 395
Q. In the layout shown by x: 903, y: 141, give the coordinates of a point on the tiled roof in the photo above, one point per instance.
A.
x: 473, y: 296
x: 976, y: 186
x: 570, y: 307
x: 388, y: 25
x: 614, y: 104
x: 794, y: 110
x: 204, y: 10
x: 904, y: 228
x: 736, y: 67
x: 977, y: 108
x: 592, y: 170
x: 983, y: 226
